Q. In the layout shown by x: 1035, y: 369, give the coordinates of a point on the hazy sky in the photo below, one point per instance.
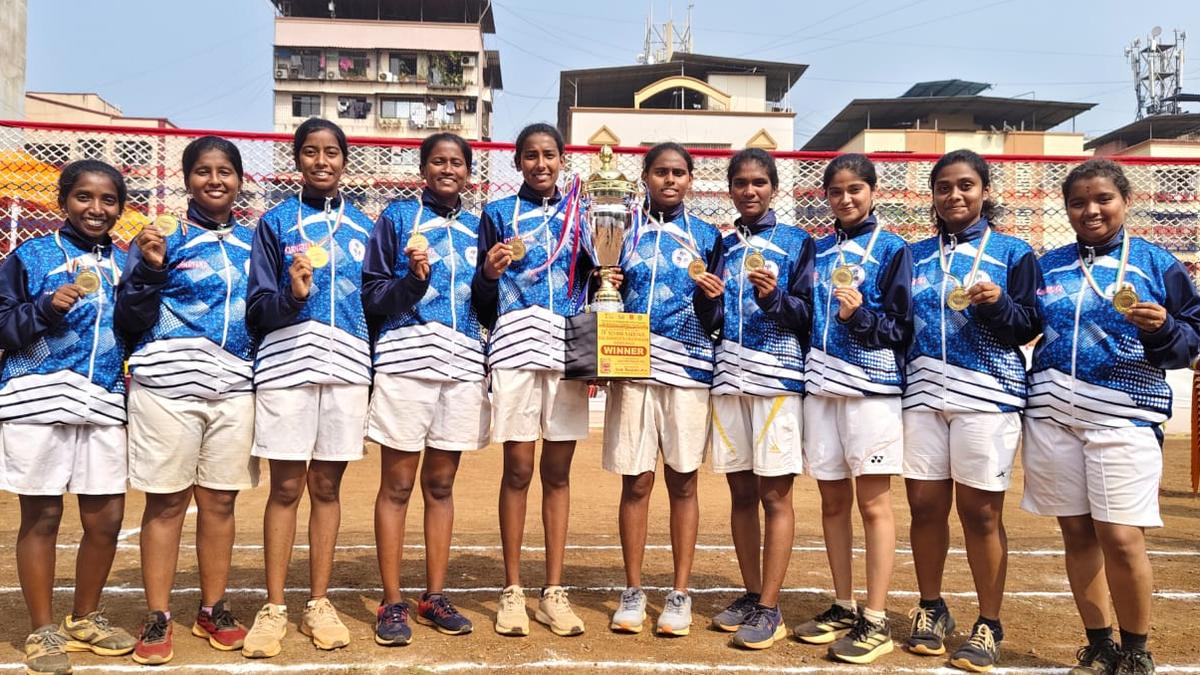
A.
x: 208, y: 64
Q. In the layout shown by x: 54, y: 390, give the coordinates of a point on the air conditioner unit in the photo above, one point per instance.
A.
x: 331, y: 74
x: 468, y: 60
x: 385, y: 76
x: 281, y: 73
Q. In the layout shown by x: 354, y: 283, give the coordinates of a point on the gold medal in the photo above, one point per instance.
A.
x: 1125, y: 299
x: 754, y: 261
x: 317, y: 255
x: 166, y: 225
x: 88, y: 281
x: 696, y: 269
x: 843, y: 276
x: 518, y: 248
x: 958, y: 299
x: 417, y: 241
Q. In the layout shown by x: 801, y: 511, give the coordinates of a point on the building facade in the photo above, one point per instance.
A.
x: 386, y: 68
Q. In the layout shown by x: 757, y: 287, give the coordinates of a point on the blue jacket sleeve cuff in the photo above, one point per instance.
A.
x: 996, y: 309
x: 1160, y: 337
x: 46, y: 310
x: 860, y: 320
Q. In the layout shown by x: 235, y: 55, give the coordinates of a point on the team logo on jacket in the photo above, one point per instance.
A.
x: 471, y: 255
x: 681, y: 258
x: 357, y: 250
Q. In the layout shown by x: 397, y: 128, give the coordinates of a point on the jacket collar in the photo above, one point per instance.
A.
x: 765, y: 222
x: 1105, y: 248
x: 315, y: 202
x: 528, y: 194
x: 666, y: 215
x: 196, y: 215
x: 970, y: 233
x: 431, y: 202
x: 865, y: 226
x: 77, y: 238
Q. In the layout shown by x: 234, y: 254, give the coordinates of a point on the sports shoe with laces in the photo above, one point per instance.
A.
x: 266, y: 635
x: 865, y: 642
x: 676, y: 617
x: 631, y: 614
x: 554, y: 610
x: 435, y: 610
x: 511, y: 616
x: 156, y: 645
x: 46, y: 652
x: 320, y: 622
x: 980, y: 652
x: 930, y: 626
x: 732, y: 616
x: 1101, y: 658
x: 93, y: 633
x: 220, y: 627
x: 826, y: 626
x: 1135, y: 662
x: 391, y: 625
x: 762, y: 627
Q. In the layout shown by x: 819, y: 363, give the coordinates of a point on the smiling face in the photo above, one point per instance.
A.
x: 321, y: 163
x: 445, y: 172
x: 667, y: 180
x: 540, y: 162
x: 1096, y: 209
x: 93, y: 205
x: 751, y: 191
x: 214, y: 184
x: 850, y: 198
x: 958, y: 196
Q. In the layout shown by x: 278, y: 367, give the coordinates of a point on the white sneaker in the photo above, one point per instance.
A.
x: 555, y: 611
x: 630, y: 616
x: 511, y: 617
x: 266, y: 635
x: 676, y: 617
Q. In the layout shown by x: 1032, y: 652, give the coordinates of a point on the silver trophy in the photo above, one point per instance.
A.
x: 608, y: 216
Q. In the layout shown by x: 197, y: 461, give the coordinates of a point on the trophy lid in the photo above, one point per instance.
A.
x: 609, y: 179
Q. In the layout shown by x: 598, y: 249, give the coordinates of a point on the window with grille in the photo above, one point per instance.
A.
x: 50, y: 153
x: 402, y: 65
x: 352, y: 64
x: 91, y: 148
x: 353, y: 107
x: 306, y: 105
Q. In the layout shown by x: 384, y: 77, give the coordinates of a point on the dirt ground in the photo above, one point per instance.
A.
x: 1042, y: 628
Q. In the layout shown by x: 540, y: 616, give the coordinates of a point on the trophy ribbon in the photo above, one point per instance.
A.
x: 958, y: 298
x: 569, y: 205
x: 316, y: 252
x: 844, y: 274
x: 1125, y: 297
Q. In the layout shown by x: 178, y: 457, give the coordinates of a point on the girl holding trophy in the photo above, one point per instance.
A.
x: 526, y: 284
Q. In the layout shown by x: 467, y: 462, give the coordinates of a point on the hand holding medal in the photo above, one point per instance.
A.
x: 849, y: 300
x: 301, y: 274
x: 1147, y: 316
x: 499, y: 257
x: 710, y: 284
x: 763, y: 280
x: 962, y: 296
x: 65, y: 297
x: 152, y: 241
x: 418, y: 257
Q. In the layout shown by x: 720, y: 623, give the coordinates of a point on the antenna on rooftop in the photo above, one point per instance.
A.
x: 1158, y: 73
x: 662, y: 41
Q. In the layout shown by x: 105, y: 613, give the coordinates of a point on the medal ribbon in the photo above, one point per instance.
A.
x: 746, y: 240
x: 331, y: 228
x: 946, y: 262
x: 569, y: 205
x: 72, y: 264
x: 866, y: 252
x: 1087, y: 273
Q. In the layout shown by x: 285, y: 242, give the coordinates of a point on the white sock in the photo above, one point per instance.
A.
x: 875, y: 616
x: 848, y: 605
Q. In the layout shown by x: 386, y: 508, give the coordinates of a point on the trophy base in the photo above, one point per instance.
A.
x: 599, y: 305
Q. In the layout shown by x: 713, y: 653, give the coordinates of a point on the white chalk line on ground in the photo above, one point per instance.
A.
x: 546, y: 664
x: 719, y: 548
x: 138, y: 590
